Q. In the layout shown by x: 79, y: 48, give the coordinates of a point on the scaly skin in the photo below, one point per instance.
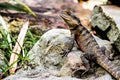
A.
x: 88, y: 44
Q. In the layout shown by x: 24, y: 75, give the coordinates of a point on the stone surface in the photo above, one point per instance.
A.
x: 48, y: 51
x: 106, y: 18
x: 105, y: 77
x: 102, y: 43
x: 38, y: 74
x: 73, y: 64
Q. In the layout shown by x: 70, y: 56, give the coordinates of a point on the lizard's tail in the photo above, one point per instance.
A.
x: 109, y: 66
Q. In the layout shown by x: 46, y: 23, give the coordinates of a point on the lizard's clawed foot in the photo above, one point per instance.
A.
x: 85, y: 63
x: 86, y: 57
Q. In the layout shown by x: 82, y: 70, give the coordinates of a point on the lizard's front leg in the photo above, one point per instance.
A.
x: 87, y: 58
x: 86, y: 62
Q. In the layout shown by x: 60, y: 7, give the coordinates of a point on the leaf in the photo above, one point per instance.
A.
x: 10, y: 6
x: 18, y: 46
x: 26, y: 8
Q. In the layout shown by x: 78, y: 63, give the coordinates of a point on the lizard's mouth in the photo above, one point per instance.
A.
x: 65, y: 15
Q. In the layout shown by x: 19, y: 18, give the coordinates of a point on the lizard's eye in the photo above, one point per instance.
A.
x: 68, y: 13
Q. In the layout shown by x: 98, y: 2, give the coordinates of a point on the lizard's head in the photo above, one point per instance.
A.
x: 71, y: 20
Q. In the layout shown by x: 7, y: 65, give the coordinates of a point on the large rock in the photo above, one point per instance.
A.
x: 107, y: 20
x: 49, y: 50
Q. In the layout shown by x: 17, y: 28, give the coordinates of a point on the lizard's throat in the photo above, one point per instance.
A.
x: 73, y: 27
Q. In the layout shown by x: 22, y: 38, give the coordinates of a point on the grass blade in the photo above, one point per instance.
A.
x: 26, y: 8
x: 10, y: 6
x: 5, y: 30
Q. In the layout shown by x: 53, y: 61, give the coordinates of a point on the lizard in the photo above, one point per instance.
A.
x: 87, y: 43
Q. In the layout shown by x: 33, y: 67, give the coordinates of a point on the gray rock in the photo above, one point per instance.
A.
x: 105, y: 77
x: 107, y: 19
x: 103, y: 43
x: 45, y: 78
x: 73, y: 64
x: 46, y: 75
x: 48, y: 51
x: 38, y: 74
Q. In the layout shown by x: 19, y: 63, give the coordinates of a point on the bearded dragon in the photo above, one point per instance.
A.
x: 88, y: 44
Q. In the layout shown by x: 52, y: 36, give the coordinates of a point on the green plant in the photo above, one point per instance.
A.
x: 29, y: 41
